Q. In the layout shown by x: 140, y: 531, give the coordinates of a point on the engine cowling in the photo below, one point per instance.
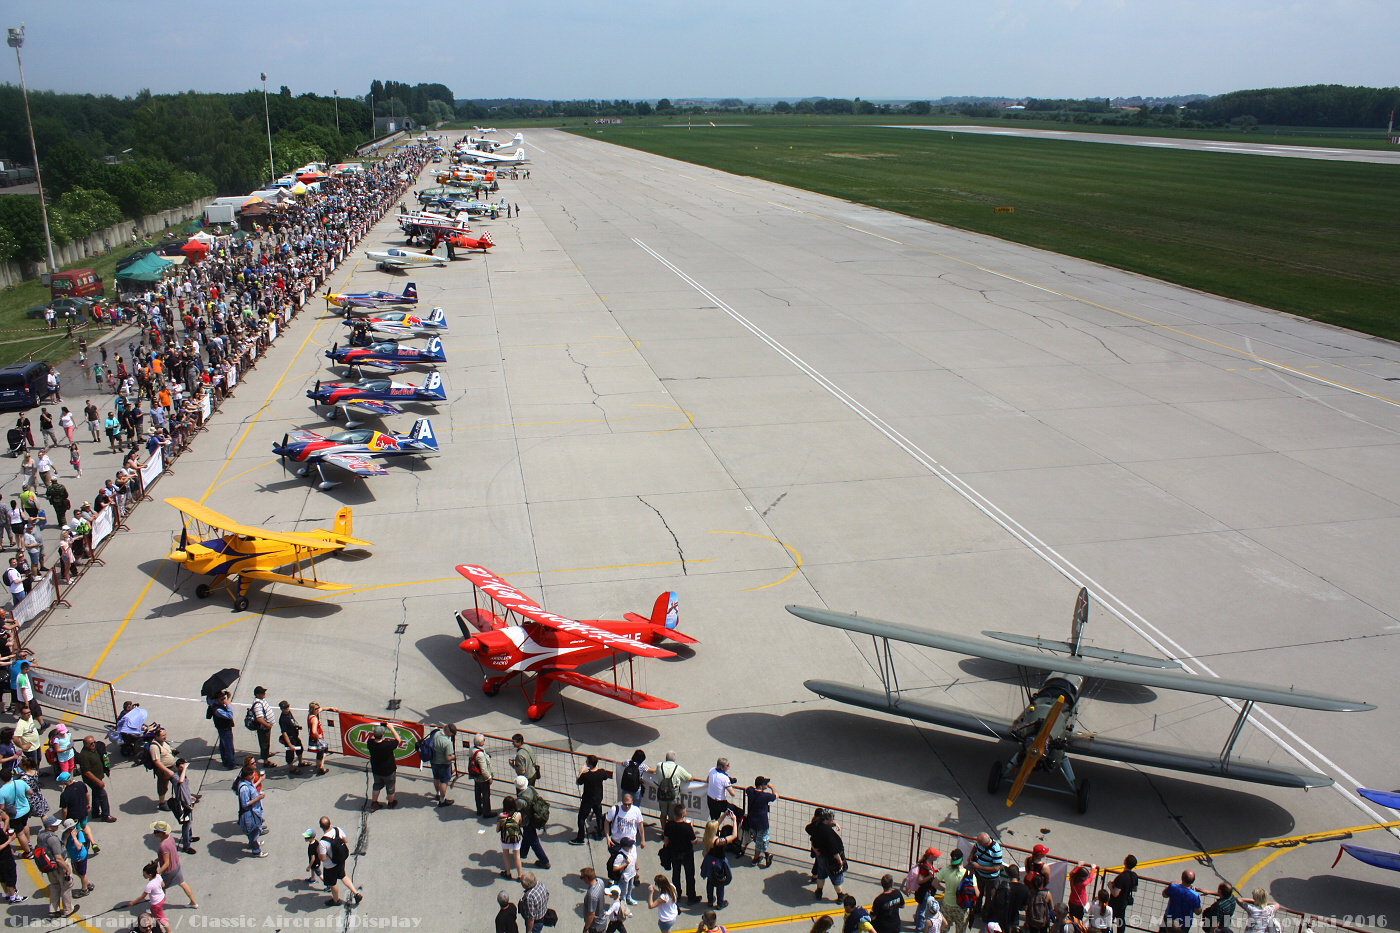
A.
x: 487, y: 643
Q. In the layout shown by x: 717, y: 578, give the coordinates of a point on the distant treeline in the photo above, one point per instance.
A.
x: 104, y: 158
x: 1314, y: 105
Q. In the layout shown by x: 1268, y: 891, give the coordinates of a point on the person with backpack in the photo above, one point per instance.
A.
x: 441, y: 748
x: 624, y: 821
x: 523, y: 761
x: 510, y: 827
x: 479, y: 770
x: 919, y: 883
x: 162, y: 758
x: 714, y: 867
x: 950, y: 883
x: 671, y: 781
x: 590, y: 803
x: 622, y: 868
x: 51, y: 859
x: 1008, y: 900
x: 1040, y: 910
x: 335, y: 858
x: 630, y: 780
x: 857, y: 917
x: 534, y: 813
x: 884, y: 911
x: 250, y: 810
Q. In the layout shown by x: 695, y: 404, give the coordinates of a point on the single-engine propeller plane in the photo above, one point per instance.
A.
x: 355, y: 451
x: 388, y: 356
x: 511, y: 635
x: 400, y: 323
x: 395, y: 258
x: 1045, y: 734
x: 375, y: 396
x: 253, y: 553
x: 346, y: 300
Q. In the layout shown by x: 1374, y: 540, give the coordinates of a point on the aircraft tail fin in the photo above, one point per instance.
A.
x: 486, y: 239
x: 434, y: 385
x: 423, y: 431
x: 438, y: 318
x: 665, y: 615
x: 520, y: 153
x: 410, y: 292
x: 344, y: 524
x: 518, y: 140
x: 434, y: 348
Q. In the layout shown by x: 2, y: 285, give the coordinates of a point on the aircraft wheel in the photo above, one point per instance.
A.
x: 490, y: 689
x: 994, y: 778
x: 202, y: 591
x: 1081, y: 796
x: 240, y: 604
x: 534, y: 713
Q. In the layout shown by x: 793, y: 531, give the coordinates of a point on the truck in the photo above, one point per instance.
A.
x: 12, y: 174
x: 220, y: 213
x: 75, y: 283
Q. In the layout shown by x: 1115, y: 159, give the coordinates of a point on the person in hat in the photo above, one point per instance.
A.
x: 947, y: 882
x: 168, y: 860
x: 1035, y: 865
x: 383, y: 765
x: 75, y: 846
x: 617, y: 914
x: 60, y: 876
x: 920, y: 882
x: 73, y: 804
x: 313, y: 856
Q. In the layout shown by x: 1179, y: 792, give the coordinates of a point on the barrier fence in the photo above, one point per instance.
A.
x: 876, y: 842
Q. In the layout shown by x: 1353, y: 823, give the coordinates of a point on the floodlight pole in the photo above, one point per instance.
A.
x: 271, y: 167
x: 337, y: 112
x: 16, y: 40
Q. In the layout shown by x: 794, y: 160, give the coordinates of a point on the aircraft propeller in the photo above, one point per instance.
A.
x: 1034, y: 751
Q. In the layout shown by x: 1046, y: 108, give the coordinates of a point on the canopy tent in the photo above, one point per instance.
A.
x: 299, y: 188
x: 194, y: 249
x: 192, y: 226
x: 203, y: 237
x: 148, y: 268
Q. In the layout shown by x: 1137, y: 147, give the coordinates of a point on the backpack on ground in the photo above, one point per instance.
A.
x: 539, y: 811
x: 967, y: 891
x: 340, y: 848
x: 424, y: 748
x: 631, y: 780
x: 1040, y: 910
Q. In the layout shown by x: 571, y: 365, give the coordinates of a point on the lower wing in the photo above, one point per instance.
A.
x: 294, y: 581
x: 360, y: 466
x: 372, y: 407
x: 604, y: 689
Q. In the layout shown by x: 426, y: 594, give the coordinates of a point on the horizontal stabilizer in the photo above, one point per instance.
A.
x: 1383, y: 797
x: 1155, y: 756
x: 604, y: 689
x: 1167, y: 680
x: 945, y: 716
x: 1101, y: 654
x: 1380, y: 858
x: 672, y: 634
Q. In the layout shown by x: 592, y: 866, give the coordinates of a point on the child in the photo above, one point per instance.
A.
x: 75, y: 843
x: 75, y: 461
x: 155, y: 892
x: 313, y: 856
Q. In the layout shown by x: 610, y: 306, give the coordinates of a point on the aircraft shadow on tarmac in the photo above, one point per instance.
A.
x: 1322, y: 893
x: 1099, y: 691
x: 1154, y: 807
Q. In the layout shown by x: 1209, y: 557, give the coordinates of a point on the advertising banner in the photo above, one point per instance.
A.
x: 357, y: 730
x: 206, y: 407
x: 152, y: 468
x: 693, y: 795
x: 37, y: 600
x: 73, y: 693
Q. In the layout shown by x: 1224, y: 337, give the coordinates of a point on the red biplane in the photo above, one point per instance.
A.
x: 509, y: 633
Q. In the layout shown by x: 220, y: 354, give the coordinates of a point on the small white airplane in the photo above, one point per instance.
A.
x: 483, y: 130
x: 492, y: 145
x: 395, y: 258
x: 491, y: 158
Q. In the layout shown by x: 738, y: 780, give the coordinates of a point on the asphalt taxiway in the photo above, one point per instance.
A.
x: 666, y: 377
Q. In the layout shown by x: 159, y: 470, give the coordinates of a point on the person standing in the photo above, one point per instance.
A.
x: 289, y: 734
x: 1183, y: 903
x: 479, y: 770
x: 73, y: 805
x: 250, y: 809
x: 9, y: 871
x: 884, y: 911
x: 593, y: 907
x: 510, y: 827
x: 505, y: 916
x: 671, y: 782
x: 534, y: 816
x: 1009, y: 899
x: 719, y: 787
x: 93, y: 422
x: 534, y: 904
x: 54, y: 864
x: 986, y: 859
x: 757, y: 800
x: 1121, y: 891
x: 1259, y: 912
x: 523, y: 761
x: 163, y: 763
x: 316, y: 736
x: 948, y: 881
x: 714, y: 866
x: 825, y: 833
x: 443, y: 743
x: 662, y: 897
x: 222, y: 714
x: 168, y: 860
x: 383, y: 766
x: 57, y: 494
x: 679, y: 849
x: 262, y: 718
x: 182, y: 806
x: 622, y: 867
x: 335, y: 859
x: 591, y: 779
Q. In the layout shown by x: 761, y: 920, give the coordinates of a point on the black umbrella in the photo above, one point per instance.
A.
x: 219, y: 682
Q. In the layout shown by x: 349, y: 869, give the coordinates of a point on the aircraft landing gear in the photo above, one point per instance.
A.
x: 536, y: 711
x: 202, y: 591
x: 1081, y: 796
x: 994, y: 778
x: 492, y: 685
x: 240, y: 604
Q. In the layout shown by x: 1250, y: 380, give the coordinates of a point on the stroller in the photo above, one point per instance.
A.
x: 15, y: 438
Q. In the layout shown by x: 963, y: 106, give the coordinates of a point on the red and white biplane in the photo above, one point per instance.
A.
x: 510, y: 634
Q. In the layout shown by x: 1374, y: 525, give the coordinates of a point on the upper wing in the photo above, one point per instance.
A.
x: 214, y: 520
x: 360, y: 466
x: 1085, y: 651
x: 1167, y: 680
x: 371, y: 406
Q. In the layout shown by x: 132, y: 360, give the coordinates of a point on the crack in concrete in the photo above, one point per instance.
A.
x: 776, y: 298
x: 773, y: 505
x: 680, y: 551
x: 583, y: 371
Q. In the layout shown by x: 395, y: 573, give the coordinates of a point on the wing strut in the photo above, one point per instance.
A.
x: 884, y: 659
x: 1245, y: 709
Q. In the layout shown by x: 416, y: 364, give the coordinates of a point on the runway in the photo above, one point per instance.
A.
x: 666, y: 377
x: 1294, y: 151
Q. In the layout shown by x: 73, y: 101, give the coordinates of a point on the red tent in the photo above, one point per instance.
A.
x: 195, y: 250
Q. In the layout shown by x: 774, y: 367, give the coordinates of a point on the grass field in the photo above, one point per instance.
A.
x: 1315, y: 238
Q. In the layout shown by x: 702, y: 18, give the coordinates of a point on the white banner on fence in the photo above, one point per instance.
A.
x: 233, y: 377
x: 101, y: 526
x: 152, y: 468
x: 206, y: 407
x: 71, y: 692
x: 271, y: 331
x: 38, y: 599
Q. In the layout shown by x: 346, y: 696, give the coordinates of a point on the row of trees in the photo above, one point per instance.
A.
x: 1333, y: 105
x: 105, y: 158
x: 425, y: 103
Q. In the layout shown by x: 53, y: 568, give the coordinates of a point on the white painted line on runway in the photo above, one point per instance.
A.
x: 1117, y: 607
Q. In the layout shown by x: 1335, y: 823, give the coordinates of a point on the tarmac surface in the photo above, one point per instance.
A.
x: 666, y: 377
x: 1288, y: 151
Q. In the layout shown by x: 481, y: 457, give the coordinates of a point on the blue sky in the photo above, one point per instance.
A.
x: 560, y: 49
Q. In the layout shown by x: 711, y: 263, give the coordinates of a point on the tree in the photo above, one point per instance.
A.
x: 866, y: 107
x: 803, y: 106
x: 84, y: 211
x: 19, y: 216
x: 920, y: 107
x: 782, y: 106
x: 663, y: 104
x: 67, y: 165
x: 643, y: 108
x: 1246, y: 122
x: 285, y: 92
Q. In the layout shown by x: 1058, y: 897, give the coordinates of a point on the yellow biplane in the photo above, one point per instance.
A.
x: 253, y: 553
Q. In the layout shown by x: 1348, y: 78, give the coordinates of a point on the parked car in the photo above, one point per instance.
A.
x: 63, y: 308
x: 23, y: 385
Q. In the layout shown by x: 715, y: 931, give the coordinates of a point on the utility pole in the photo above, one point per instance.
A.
x: 337, y: 112
x: 266, y: 117
x: 16, y: 40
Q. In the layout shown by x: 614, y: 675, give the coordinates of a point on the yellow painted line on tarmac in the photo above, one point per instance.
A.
x: 778, y: 921
x: 795, y: 556
x: 689, y: 419
x: 636, y: 344
x: 1093, y: 304
x: 1283, y: 844
x: 42, y: 894
x: 236, y: 475
x: 1244, y: 879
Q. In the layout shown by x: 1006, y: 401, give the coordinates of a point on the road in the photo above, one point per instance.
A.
x: 1295, y: 151
x: 666, y: 377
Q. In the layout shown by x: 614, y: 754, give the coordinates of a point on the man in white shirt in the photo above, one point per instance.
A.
x: 14, y: 581
x: 625, y: 822
x: 719, y: 787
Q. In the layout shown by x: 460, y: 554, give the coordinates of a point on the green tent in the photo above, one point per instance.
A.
x: 193, y: 226
x: 148, y: 268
